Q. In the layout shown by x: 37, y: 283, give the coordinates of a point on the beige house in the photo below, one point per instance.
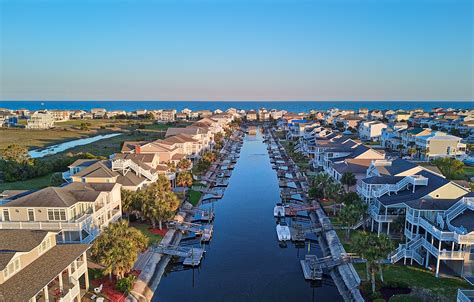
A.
x: 40, y: 120
x: 79, y: 211
x: 435, y: 146
x: 34, y: 268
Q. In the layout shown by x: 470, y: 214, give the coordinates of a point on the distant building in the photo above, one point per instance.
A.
x: 99, y: 112
x: 41, y: 120
x: 60, y: 115
x: 251, y: 115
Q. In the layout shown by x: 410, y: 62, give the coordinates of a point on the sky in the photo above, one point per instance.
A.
x: 236, y: 50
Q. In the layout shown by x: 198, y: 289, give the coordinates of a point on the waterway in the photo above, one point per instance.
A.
x: 37, y: 153
x: 244, y: 261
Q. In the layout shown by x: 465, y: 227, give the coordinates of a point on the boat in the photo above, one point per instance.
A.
x: 283, y: 232
x: 279, y: 211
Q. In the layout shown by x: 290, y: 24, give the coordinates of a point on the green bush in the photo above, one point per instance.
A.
x: 125, y: 284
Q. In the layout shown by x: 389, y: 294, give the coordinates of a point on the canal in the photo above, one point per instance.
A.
x: 244, y: 261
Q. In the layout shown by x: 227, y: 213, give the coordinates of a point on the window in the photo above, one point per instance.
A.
x: 45, y: 245
x: 56, y: 215
x: 12, y: 268
x: 31, y: 215
x: 6, y: 215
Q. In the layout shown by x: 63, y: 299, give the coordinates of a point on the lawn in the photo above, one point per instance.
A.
x: 469, y: 171
x: 145, y: 229
x: 70, y: 130
x: 194, y: 197
x: 416, y: 276
x: 30, y: 184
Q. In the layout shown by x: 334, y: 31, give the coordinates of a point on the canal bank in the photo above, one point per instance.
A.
x: 335, y: 260
x: 245, y: 261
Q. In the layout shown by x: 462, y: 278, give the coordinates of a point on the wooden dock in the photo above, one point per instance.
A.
x: 192, y: 255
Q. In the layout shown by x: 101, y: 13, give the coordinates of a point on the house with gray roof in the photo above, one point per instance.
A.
x: 77, y: 211
x: 33, y: 267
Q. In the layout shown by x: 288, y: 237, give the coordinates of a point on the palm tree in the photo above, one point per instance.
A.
x: 351, y: 214
x: 209, y: 157
x: 159, y: 206
x: 334, y: 193
x: 117, y: 248
x: 171, y: 166
x: 184, y: 164
x: 373, y: 248
x: 348, y: 179
x: 131, y: 202
x: 321, y: 181
x: 184, y: 179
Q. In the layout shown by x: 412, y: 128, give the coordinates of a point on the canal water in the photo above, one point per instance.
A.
x: 244, y: 261
x: 37, y: 153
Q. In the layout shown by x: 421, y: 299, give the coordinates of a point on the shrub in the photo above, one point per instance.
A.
x: 125, y: 284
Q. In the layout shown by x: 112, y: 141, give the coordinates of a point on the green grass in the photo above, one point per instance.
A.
x: 404, y: 298
x: 142, y: 227
x: 469, y: 171
x: 30, y: 184
x: 194, y: 197
x: 416, y: 276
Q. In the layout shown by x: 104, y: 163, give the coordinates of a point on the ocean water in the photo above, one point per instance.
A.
x: 292, y: 106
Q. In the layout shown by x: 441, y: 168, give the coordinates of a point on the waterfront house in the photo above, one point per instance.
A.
x: 355, y: 159
x: 440, y: 232
x: 40, y: 120
x: 34, y: 268
x: 79, y: 211
x: 390, y: 184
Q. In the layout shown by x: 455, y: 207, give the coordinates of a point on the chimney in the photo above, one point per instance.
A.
x: 138, y: 149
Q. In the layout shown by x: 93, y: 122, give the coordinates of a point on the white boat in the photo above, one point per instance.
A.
x: 283, y: 232
x: 279, y: 211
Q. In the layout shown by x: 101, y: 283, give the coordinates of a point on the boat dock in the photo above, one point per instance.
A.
x: 335, y: 260
x: 192, y: 255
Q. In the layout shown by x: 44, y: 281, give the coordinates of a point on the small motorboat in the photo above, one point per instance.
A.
x: 279, y: 211
x: 283, y: 232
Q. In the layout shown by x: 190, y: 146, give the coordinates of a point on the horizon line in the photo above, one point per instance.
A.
x: 245, y: 101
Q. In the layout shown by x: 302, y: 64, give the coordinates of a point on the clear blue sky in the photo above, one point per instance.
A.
x: 237, y: 50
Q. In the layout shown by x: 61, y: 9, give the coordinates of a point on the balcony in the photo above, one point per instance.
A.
x: 465, y: 295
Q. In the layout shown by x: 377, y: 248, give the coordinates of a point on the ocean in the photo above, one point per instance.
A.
x: 292, y: 106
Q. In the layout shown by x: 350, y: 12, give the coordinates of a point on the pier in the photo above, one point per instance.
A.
x: 335, y: 261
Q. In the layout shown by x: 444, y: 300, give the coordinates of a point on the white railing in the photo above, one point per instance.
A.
x: 443, y: 254
x: 71, y: 294
x: 122, y: 164
x: 374, y: 213
x: 34, y: 225
x: 465, y: 295
x: 81, y: 269
x: 416, y: 180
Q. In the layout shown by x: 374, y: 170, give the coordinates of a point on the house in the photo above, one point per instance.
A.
x: 390, y: 185
x: 34, y: 267
x: 98, y: 113
x: 165, y: 115
x: 355, y: 159
x: 8, y: 119
x: 251, y: 115
x: 434, y: 146
x: 79, y: 211
x: 440, y: 232
x: 371, y: 130
x: 77, y: 114
x: 60, y: 115
x: 40, y: 120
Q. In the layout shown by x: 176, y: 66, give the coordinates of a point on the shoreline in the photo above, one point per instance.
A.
x: 150, y: 278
